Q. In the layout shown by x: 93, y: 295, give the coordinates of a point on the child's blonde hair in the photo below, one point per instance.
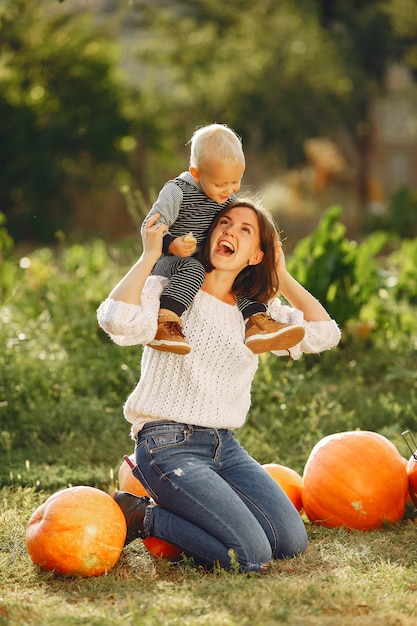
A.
x: 215, y: 141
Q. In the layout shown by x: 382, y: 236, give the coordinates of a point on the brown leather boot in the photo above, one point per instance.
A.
x: 169, y: 337
x: 264, y: 334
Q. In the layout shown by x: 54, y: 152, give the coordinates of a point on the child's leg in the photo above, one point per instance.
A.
x: 264, y: 334
x: 186, y: 275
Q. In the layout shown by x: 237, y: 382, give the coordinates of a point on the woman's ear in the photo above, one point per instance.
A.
x: 256, y: 258
x: 195, y: 174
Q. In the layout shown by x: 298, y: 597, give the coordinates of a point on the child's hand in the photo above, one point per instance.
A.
x: 183, y: 246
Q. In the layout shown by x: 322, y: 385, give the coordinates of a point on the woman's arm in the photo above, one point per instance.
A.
x: 296, y: 294
x: 129, y: 289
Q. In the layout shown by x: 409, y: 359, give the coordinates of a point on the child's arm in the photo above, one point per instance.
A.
x: 167, y: 206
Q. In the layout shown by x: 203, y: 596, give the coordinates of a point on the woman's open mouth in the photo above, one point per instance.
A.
x: 225, y: 247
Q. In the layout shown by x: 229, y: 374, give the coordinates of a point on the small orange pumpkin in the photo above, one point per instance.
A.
x: 355, y: 479
x: 129, y: 482
x: 289, y: 480
x: 78, y: 531
x: 409, y: 499
x: 162, y: 549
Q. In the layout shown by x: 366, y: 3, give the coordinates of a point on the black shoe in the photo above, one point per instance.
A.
x: 134, y: 509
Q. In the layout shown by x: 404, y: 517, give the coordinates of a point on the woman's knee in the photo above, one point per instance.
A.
x: 254, y: 553
x: 292, y: 542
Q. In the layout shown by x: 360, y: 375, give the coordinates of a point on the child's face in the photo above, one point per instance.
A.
x: 219, y: 180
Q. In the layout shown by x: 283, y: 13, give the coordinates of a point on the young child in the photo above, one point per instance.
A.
x: 187, y: 206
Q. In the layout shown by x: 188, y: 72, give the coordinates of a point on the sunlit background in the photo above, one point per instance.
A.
x: 98, y: 99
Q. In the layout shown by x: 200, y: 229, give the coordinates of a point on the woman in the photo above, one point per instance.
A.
x: 215, y: 500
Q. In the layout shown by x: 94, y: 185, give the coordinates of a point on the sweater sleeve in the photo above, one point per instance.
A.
x: 130, y: 324
x: 319, y: 336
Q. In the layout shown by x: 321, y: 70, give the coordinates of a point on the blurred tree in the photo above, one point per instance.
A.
x: 276, y: 72
x: 65, y: 115
x: 268, y: 69
x: 403, y: 18
x: 373, y: 35
x: 379, y: 32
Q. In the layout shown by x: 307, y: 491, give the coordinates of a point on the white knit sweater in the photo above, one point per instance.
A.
x: 211, y: 385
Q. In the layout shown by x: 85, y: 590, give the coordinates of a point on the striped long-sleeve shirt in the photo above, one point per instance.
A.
x: 184, y: 207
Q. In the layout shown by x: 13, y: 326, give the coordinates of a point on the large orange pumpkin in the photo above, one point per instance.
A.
x: 127, y: 481
x: 289, y: 480
x: 78, y: 531
x: 354, y: 479
x: 162, y: 549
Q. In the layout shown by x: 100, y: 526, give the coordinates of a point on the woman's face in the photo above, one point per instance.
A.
x: 235, y: 240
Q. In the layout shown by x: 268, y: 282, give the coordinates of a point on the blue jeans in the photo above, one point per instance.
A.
x: 214, y: 498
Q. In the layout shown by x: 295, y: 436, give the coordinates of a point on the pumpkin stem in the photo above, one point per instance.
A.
x: 408, y: 437
x: 128, y: 461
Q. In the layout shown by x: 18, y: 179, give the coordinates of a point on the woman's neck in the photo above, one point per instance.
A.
x: 220, y: 286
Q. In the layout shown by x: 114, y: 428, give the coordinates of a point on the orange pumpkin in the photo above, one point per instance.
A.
x: 354, y: 479
x: 162, y: 549
x: 409, y: 499
x: 78, y: 531
x: 411, y: 469
x: 129, y: 482
x: 289, y: 480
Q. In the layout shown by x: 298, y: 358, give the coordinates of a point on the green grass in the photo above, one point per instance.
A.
x: 62, y: 387
x: 344, y: 578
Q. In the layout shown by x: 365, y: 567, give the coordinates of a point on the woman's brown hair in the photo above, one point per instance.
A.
x: 256, y: 282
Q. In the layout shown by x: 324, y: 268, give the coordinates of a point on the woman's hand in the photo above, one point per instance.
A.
x: 280, y: 259
x: 295, y: 293
x: 152, y: 236
x: 129, y: 289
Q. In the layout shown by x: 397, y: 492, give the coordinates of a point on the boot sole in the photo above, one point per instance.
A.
x: 176, y: 348
x: 281, y: 340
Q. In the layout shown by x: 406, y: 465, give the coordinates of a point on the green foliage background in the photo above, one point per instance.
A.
x: 63, y: 382
x: 76, y: 123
